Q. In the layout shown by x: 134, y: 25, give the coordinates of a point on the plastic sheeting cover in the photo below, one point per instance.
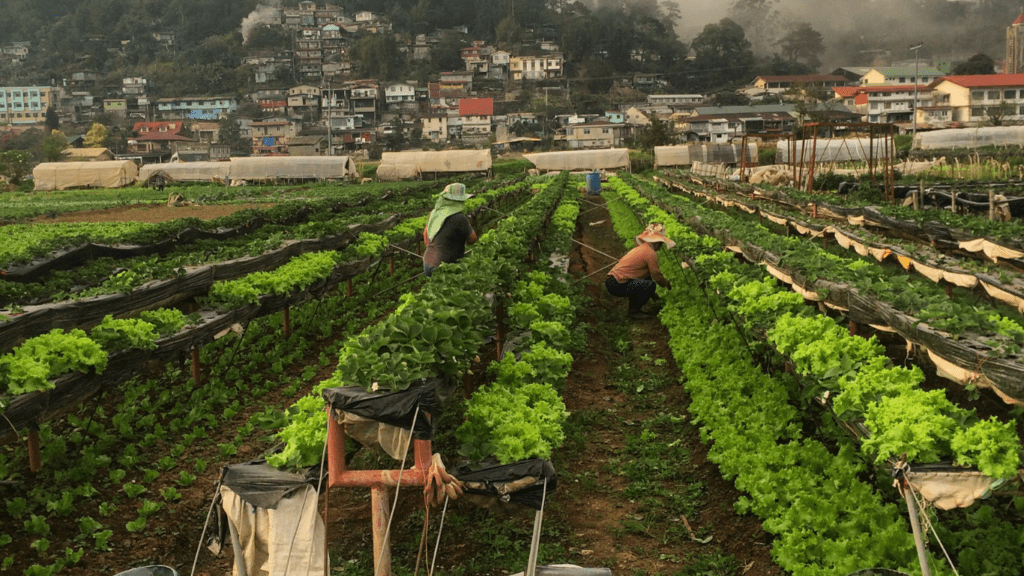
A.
x: 406, y: 165
x: 292, y: 168
x: 261, y: 485
x: 394, y: 408
x: 500, y: 481
x: 687, y: 154
x: 188, y: 171
x: 574, y: 160
x: 831, y: 150
x: 65, y: 175
x: 970, y: 137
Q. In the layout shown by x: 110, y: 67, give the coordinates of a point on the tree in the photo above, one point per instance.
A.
x: 15, y: 165
x: 97, y: 136
x: 723, y: 55
x: 977, y: 64
x: 377, y: 56
x: 508, y: 33
x: 996, y: 114
x: 52, y: 120
x: 803, y: 44
x: 657, y: 133
x: 53, y: 145
x: 230, y: 133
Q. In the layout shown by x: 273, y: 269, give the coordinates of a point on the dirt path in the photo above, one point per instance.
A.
x: 621, y: 389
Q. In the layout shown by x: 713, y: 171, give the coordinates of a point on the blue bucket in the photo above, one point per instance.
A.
x: 593, y: 182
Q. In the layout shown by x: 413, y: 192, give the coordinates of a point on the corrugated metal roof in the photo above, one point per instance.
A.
x: 476, y: 107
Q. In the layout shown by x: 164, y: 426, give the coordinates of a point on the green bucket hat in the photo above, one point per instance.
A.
x: 456, y: 192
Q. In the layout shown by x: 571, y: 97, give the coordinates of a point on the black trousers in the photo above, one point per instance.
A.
x: 638, y: 291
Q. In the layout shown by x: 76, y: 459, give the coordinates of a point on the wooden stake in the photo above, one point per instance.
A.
x: 287, y: 322
x: 391, y: 265
x: 349, y: 282
x: 195, y: 365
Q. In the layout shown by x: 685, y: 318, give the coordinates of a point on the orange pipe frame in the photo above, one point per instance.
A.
x: 339, y: 476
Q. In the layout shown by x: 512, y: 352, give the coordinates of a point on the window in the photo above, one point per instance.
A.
x: 888, y: 105
x: 605, y: 130
x: 977, y: 95
x: 977, y: 112
x: 1010, y: 94
x: 874, y: 106
x: 993, y: 94
x: 903, y: 79
x: 586, y: 130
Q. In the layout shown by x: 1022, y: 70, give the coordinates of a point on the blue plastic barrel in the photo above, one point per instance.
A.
x: 594, y: 182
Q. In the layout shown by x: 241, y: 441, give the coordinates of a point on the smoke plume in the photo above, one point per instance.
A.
x: 262, y: 15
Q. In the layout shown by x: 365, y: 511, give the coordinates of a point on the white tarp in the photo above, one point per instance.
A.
x: 577, y: 160
x: 687, y: 154
x: 188, y: 171
x: 65, y: 175
x: 406, y: 165
x: 287, y: 540
x: 831, y: 150
x: 261, y: 168
x: 970, y: 137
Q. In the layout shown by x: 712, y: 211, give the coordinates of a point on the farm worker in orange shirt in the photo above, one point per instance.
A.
x: 448, y: 230
x: 636, y: 276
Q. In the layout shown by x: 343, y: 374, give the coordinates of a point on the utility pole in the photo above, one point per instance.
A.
x: 916, y: 48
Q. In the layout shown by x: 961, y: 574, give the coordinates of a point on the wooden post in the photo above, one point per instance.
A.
x: 349, y: 282
x: 391, y: 264
x: 949, y: 291
x: 418, y: 253
x: 952, y: 196
x: 853, y: 328
x: 467, y: 385
x: 195, y: 365
x: 287, y: 322
x: 919, y: 197
x: 35, y: 460
x: 814, y: 210
x: 991, y: 204
x: 381, y: 539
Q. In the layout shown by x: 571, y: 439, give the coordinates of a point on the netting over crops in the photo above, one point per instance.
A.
x: 970, y: 137
x: 406, y: 165
x: 576, y: 160
x: 687, y: 154
x: 831, y: 150
x: 65, y: 175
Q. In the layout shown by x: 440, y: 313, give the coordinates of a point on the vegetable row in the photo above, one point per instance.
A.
x: 971, y: 342
x: 998, y: 284
x: 826, y: 519
x: 433, y: 333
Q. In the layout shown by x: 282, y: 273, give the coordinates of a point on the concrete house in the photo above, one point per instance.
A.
x: 901, y: 75
x: 970, y: 98
x: 597, y: 134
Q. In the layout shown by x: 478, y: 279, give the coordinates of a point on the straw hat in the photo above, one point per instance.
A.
x: 655, y: 232
x: 456, y: 192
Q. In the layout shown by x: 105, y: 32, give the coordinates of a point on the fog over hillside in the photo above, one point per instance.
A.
x: 864, y: 32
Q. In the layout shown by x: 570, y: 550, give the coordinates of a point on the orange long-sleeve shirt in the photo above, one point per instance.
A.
x: 640, y: 262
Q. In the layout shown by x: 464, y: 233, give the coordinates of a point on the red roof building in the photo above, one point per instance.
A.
x: 476, y: 107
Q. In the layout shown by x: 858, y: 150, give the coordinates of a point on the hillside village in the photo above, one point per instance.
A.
x: 310, y: 100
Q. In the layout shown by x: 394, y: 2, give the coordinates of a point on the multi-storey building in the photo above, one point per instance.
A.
x: 196, y: 107
x: 597, y: 134
x: 271, y: 137
x: 976, y: 98
x: 901, y: 75
x: 536, y: 67
x: 26, y: 104
x: 1014, y: 63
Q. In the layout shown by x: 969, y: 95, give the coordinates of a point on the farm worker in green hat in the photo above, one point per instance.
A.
x: 637, y: 274
x: 448, y: 230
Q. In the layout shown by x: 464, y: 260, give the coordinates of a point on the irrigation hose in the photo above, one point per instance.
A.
x: 437, y: 544
x: 398, y: 486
